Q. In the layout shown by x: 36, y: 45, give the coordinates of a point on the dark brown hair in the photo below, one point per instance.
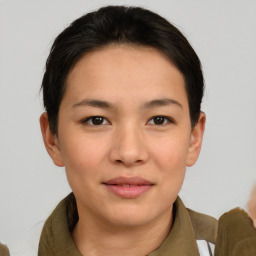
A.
x: 119, y: 25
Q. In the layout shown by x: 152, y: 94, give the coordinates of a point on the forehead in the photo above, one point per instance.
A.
x: 125, y: 71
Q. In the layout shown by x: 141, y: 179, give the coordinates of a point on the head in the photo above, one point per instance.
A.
x: 119, y: 25
x: 122, y: 91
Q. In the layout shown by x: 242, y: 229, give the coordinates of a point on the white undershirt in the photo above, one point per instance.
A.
x: 204, y: 249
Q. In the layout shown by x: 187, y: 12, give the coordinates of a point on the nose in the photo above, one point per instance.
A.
x: 128, y: 147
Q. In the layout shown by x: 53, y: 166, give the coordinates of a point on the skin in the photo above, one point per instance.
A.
x: 252, y: 205
x: 128, y: 143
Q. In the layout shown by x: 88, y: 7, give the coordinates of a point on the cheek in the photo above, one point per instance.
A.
x: 82, y: 155
x: 171, y: 152
x: 170, y: 155
x: 84, y: 164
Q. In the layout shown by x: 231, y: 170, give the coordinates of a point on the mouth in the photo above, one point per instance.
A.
x: 131, y: 187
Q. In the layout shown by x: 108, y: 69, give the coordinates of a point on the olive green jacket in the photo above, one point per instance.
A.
x: 56, y: 239
x: 235, y: 235
x: 4, y: 250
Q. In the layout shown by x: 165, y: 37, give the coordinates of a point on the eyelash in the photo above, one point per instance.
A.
x: 90, y: 119
x: 167, y: 120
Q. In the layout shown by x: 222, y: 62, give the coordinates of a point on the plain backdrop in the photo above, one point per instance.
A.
x: 223, y: 33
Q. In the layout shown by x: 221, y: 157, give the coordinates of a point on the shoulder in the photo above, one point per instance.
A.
x: 197, y: 230
x: 205, y: 230
x: 204, y: 226
x: 4, y: 250
x: 236, y: 234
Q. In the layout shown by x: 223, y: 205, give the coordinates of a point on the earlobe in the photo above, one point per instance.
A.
x: 50, y: 141
x: 196, y: 140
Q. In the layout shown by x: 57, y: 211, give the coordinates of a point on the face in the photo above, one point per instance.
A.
x: 124, y: 135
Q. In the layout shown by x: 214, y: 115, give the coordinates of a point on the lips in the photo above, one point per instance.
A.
x: 128, y: 187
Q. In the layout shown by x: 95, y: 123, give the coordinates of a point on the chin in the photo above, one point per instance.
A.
x: 131, y: 216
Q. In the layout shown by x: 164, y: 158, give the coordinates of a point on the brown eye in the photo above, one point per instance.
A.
x: 95, y: 120
x: 159, y: 120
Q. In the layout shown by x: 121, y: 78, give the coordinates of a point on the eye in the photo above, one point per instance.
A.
x: 95, y: 120
x: 160, y: 120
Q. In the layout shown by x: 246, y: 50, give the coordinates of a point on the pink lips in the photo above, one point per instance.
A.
x: 131, y: 187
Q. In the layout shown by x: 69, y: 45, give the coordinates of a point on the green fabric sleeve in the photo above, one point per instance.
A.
x: 4, y: 250
x: 236, y: 235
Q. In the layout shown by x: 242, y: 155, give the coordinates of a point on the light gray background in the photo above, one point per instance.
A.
x: 224, y: 35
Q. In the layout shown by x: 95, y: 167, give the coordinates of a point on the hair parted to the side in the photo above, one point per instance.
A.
x: 119, y: 25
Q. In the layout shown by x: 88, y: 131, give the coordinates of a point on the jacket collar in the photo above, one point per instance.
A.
x: 56, y: 238
x: 181, y: 240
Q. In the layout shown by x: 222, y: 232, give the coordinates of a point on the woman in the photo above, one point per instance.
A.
x: 122, y: 92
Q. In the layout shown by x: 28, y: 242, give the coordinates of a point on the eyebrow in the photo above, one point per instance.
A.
x: 161, y: 102
x: 94, y: 103
x: 106, y: 105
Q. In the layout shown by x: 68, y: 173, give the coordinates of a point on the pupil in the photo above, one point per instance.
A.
x: 97, y: 120
x: 159, y: 120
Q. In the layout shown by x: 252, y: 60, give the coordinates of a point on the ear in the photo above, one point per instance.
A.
x: 196, y: 139
x: 51, y: 141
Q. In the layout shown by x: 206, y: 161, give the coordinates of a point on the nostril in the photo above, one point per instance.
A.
x: 129, y: 163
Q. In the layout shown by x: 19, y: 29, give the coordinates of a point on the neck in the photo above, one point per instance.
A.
x: 95, y: 239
